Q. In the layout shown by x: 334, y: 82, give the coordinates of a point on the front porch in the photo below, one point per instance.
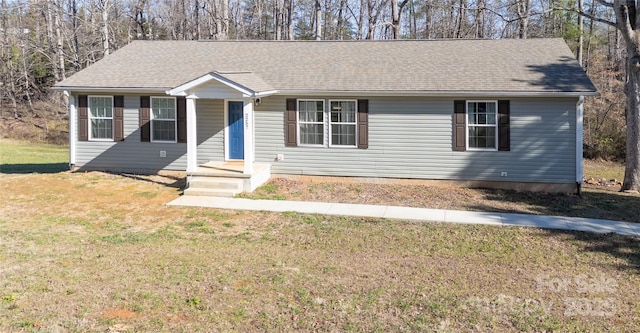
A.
x: 237, y: 171
x: 226, y: 179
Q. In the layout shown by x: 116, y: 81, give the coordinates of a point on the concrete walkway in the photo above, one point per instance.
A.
x: 416, y: 214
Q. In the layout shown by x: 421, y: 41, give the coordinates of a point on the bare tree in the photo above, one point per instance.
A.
x: 523, y: 8
x: 480, y: 18
x: 290, y: 11
x: 318, y: 23
x: 627, y: 24
x: 104, y: 7
x: 428, y: 23
x: 396, y: 11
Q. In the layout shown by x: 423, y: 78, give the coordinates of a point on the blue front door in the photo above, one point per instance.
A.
x: 236, y: 131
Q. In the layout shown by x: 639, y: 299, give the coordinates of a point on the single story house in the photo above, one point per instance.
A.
x: 504, y: 113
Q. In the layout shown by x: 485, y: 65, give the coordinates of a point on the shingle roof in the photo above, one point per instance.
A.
x: 427, y: 66
x: 246, y: 79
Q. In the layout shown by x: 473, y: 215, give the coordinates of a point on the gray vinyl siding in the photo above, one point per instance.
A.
x: 130, y: 154
x: 210, y: 113
x: 408, y: 138
x: 136, y: 156
x: 412, y: 138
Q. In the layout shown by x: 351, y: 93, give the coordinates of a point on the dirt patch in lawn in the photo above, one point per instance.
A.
x: 602, y: 202
x: 119, y: 314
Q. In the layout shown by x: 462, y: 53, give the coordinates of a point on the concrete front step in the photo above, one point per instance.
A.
x: 225, y: 179
x: 210, y: 192
x: 216, y: 183
x: 214, y: 186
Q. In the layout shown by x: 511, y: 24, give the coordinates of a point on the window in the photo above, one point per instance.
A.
x: 343, y: 123
x: 311, y: 122
x: 101, y: 118
x: 163, y: 119
x: 482, y: 125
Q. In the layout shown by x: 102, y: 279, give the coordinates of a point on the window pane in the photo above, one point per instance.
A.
x: 343, y: 116
x: 311, y: 111
x: 169, y: 114
x: 344, y: 135
x: 164, y: 130
x: 101, y: 128
x: 343, y: 111
x: 483, y: 113
x: 100, y: 107
x: 311, y: 134
x: 303, y: 116
x: 482, y: 137
x: 491, y: 107
x: 163, y: 108
x: 311, y: 116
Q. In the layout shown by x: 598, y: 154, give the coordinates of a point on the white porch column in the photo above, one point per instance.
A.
x: 73, y: 129
x: 248, y: 136
x: 192, y: 135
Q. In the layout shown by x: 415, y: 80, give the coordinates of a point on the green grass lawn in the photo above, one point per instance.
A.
x: 23, y: 157
x: 95, y: 252
x: 603, y: 169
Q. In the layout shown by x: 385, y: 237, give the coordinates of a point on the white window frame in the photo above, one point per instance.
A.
x: 355, y: 123
x: 89, y: 118
x: 324, y: 122
x: 175, y: 119
x: 466, y: 106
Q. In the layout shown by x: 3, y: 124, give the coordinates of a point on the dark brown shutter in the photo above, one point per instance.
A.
x: 118, y: 118
x: 459, y: 128
x: 291, y: 124
x: 83, y: 118
x: 145, y: 124
x: 363, y: 123
x: 182, y: 119
x: 504, y: 130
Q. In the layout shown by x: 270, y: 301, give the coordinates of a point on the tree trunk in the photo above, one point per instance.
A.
x: 105, y: 27
x: 523, y: 8
x: 76, y: 44
x: 277, y: 19
x: 627, y: 24
x: 632, y: 89
x: 223, y: 30
x: 290, y: 34
x: 318, y: 8
x: 259, y: 14
x: 396, y: 12
x: 339, y: 25
x: 480, y: 19
x: 59, y: 42
x: 428, y: 24
x: 48, y: 16
x: 196, y: 18
x: 25, y: 71
x: 361, y: 19
x: 460, y: 18
x: 413, y: 21
x: 371, y: 19
x: 581, y: 36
